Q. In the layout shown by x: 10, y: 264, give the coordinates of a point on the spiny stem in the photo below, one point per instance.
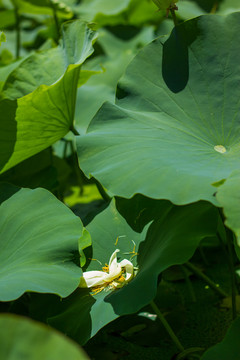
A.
x: 189, y: 283
x: 204, y: 277
x: 167, y: 326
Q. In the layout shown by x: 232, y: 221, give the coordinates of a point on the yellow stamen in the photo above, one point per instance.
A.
x: 106, y: 268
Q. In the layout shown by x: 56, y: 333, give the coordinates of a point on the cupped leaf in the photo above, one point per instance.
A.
x: 22, y: 338
x: 228, y: 196
x: 175, y: 127
x: 172, y: 239
x: 47, y: 67
x: 229, y: 348
x: 45, y: 114
x: 38, y: 244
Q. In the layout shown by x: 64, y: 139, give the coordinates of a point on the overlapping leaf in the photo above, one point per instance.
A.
x: 45, y: 88
x: 174, y: 130
x: 22, y: 338
x: 172, y: 239
x: 38, y: 244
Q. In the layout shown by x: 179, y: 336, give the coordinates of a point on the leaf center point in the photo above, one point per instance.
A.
x: 220, y: 148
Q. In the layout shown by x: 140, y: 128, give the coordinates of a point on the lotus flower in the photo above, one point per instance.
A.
x: 113, y: 275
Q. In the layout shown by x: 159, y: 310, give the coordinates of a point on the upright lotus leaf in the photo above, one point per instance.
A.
x: 38, y: 245
x: 228, y: 196
x: 47, y: 67
x: 35, y: 121
x: 229, y: 348
x: 172, y: 239
x: 22, y: 338
x: 175, y: 127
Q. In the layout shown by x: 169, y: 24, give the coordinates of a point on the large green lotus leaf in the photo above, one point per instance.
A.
x: 101, y: 87
x: 172, y: 239
x: 228, y: 196
x: 22, y: 338
x: 37, y: 120
x: 229, y: 348
x: 38, y: 244
x: 175, y: 127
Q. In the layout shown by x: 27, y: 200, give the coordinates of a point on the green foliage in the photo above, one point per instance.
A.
x: 172, y: 120
x: 160, y: 249
x: 38, y: 240
x: 135, y: 130
x: 23, y: 338
x: 38, y: 115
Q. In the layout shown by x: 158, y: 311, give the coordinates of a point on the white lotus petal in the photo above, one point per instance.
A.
x: 114, y: 267
x: 94, y: 278
x: 128, y: 266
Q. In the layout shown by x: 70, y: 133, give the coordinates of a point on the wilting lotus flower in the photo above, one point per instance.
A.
x: 113, y: 276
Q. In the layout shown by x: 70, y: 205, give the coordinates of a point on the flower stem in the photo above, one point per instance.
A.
x: 229, y: 255
x: 204, y: 277
x: 167, y: 326
x: 189, y: 283
x: 172, y: 11
x: 18, y: 32
x: 55, y: 19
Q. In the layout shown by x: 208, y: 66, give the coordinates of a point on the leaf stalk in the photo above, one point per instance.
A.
x: 167, y: 326
x: 204, y: 277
